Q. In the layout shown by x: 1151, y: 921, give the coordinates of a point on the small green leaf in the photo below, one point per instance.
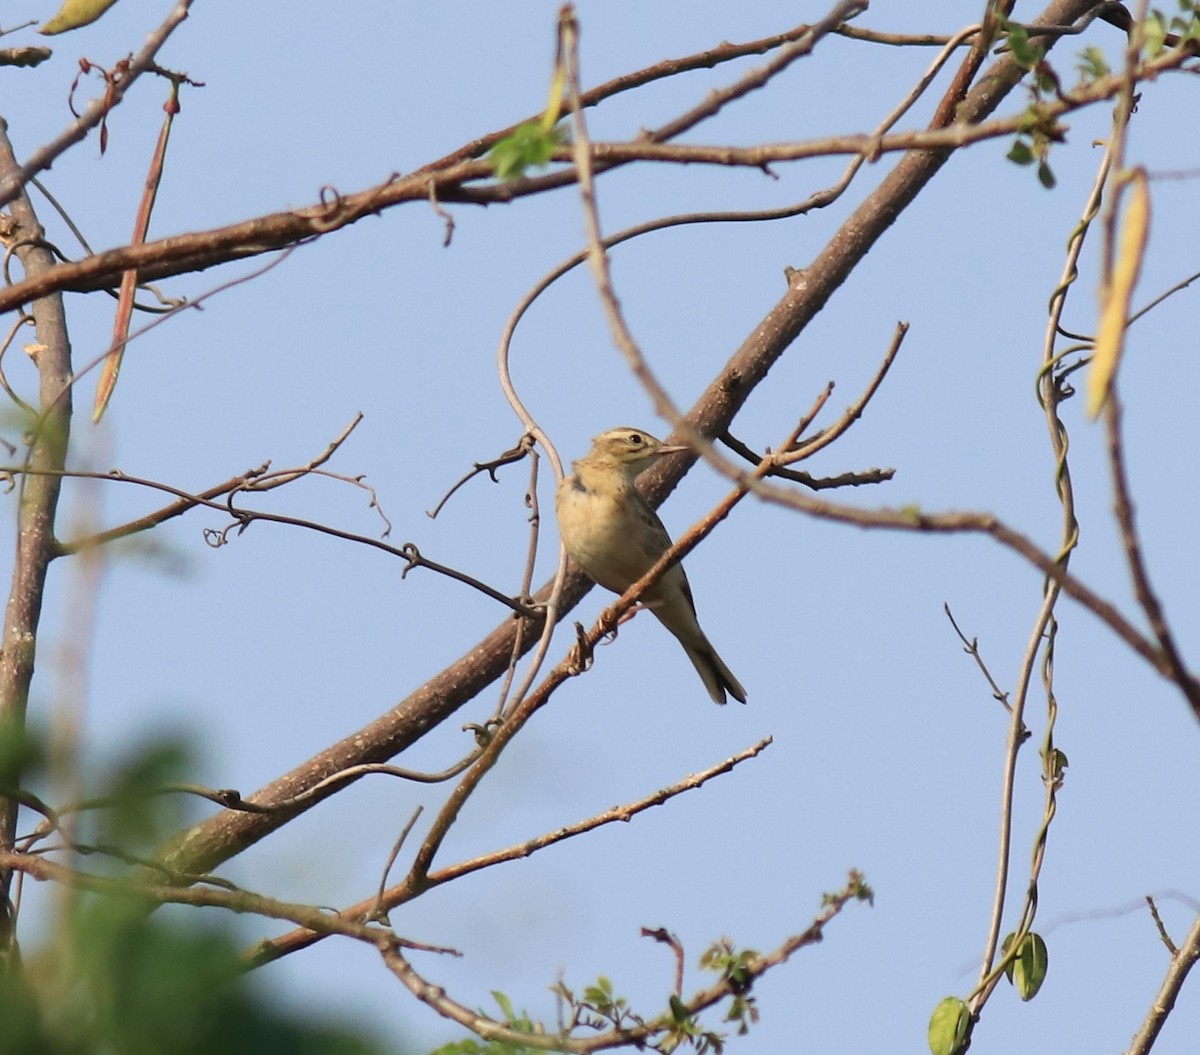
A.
x: 679, y: 1011
x: 529, y: 146
x: 862, y: 889
x: 1092, y: 64
x: 1020, y: 153
x: 505, y: 1004
x: 1025, y: 54
x: 1045, y: 176
x: 948, y: 1026
x: 1154, y: 33
x: 1055, y: 764
x: 1028, y: 971
x: 1005, y: 945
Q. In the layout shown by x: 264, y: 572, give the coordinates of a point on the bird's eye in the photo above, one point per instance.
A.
x: 635, y: 439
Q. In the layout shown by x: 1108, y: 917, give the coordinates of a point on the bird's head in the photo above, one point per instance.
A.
x: 629, y: 450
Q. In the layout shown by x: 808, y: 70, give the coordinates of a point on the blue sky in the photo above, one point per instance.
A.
x: 888, y: 747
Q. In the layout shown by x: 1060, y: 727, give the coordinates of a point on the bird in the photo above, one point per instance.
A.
x: 610, y: 531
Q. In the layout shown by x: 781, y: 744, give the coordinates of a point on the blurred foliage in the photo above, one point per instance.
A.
x: 530, y: 146
x: 115, y: 980
x: 109, y: 978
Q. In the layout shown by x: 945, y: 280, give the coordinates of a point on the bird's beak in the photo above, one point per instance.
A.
x: 677, y: 448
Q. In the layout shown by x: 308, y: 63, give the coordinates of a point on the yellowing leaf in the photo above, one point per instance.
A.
x: 1117, y: 292
x: 554, y: 102
x: 76, y: 13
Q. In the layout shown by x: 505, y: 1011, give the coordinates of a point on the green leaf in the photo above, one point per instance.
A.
x: 1045, y: 176
x: 530, y: 145
x: 505, y: 1005
x: 1020, y: 153
x: 1092, y: 64
x: 1154, y: 33
x: 1055, y: 764
x: 1026, y: 55
x: 1028, y: 971
x: 948, y: 1026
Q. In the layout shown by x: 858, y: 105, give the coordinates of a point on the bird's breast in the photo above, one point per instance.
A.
x: 601, y: 531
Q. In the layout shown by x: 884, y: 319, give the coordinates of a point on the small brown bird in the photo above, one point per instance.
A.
x: 611, y: 532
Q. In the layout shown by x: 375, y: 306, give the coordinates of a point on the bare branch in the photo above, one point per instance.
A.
x: 37, y: 510
x: 971, y: 648
x: 1164, y: 1001
x: 1160, y: 926
x: 377, y: 914
x: 1130, y: 540
x: 233, y: 900
x: 661, y: 934
x: 514, y: 454
x: 267, y: 951
x: 14, y: 179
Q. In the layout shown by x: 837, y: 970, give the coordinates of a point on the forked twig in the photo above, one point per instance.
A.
x: 267, y: 951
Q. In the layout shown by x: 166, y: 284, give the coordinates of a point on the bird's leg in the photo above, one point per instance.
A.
x: 580, y: 656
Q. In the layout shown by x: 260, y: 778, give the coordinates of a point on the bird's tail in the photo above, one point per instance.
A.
x: 717, y: 677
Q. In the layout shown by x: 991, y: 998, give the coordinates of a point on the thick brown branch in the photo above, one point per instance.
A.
x: 469, y: 180
x: 200, y: 250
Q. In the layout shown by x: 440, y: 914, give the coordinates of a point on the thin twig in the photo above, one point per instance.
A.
x: 254, y: 479
x: 96, y: 111
x: 268, y: 951
x: 813, y: 483
x: 242, y: 518
x: 661, y: 934
x: 636, y: 1035
x: 1131, y: 542
x: 971, y: 648
x: 503, y: 703
x: 513, y: 454
x: 233, y: 900
x: 377, y: 913
x: 1164, y: 1000
x: 1160, y: 926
